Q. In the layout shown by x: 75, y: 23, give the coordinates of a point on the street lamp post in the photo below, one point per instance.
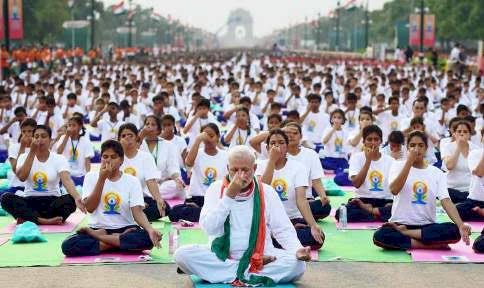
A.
x: 422, y: 10
x: 6, y: 30
x: 337, y: 26
x: 318, y: 32
x: 130, y: 25
x: 70, y: 3
x: 93, y: 28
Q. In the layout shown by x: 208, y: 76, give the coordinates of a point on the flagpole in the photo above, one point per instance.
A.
x: 93, y: 20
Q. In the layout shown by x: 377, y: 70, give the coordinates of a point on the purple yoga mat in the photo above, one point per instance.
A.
x: 69, y: 226
x: 459, y: 253
x: 111, y: 257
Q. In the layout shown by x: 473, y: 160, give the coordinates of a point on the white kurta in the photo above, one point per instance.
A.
x: 201, y: 261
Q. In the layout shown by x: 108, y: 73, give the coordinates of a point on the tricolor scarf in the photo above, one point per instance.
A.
x: 253, y: 256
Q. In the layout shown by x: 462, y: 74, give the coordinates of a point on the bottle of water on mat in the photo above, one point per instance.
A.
x: 173, y: 240
x: 343, y: 217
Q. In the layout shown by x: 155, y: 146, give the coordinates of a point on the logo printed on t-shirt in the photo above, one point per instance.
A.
x: 338, y: 144
x: 130, y: 170
x: 394, y: 125
x: 420, y: 191
x: 311, y: 125
x: 40, y: 181
x: 112, y: 203
x: 74, y: 156
x: 280, y: 186
x: 376, y: 180
x: 210, y: 174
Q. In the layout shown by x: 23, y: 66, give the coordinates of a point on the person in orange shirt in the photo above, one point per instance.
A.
x: 4, y: 57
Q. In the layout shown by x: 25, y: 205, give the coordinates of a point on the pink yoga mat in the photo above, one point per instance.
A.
x: 109, y: 258
x: 476, y: 226
x: 314, y: 255
x: 459, y: 253
x: 69, y: 226
x: 359, y: 225
x: 176, y: 201
x: 3, y: 240
x: 179, y: 226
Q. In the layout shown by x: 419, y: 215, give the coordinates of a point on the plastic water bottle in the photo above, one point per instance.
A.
x: 173, y: 241
x: 343, y: 217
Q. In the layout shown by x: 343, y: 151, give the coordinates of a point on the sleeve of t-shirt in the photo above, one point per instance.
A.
x: 442, y: 191
x: 89, y: 183
x: 149, y: 166
x: 316, y: 168
x: 173, y: 164
x: 135, y: 193
x: 13, y: 151
x: 394, y: 171
x: 21, y: 160
x: 355, y: 164
x: 302, y: 176
x: 259, y: 171
x: 88, y: 149
x: 474, y: 158
x: 446, y: 150
x: 62, y: 164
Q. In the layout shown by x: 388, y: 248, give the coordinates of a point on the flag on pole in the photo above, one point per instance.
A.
x: 118, y: 9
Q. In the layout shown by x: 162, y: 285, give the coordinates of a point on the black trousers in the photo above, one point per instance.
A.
x: 319, y: 211
x: 437, y: 233
x: 31, y: 208
x: 479, y: 243
x: 81, y: 244
x: 457, y: 196
x: 151, y: 210
x: 187, y: 212
x: 355, y: 214
x: 465, y: 210
x: 303, y: 234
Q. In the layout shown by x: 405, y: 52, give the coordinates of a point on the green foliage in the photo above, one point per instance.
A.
x: 43, y: 20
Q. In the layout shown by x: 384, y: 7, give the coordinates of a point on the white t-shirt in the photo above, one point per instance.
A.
x: 108, y: 129
x: 415, y: 204
x: 13, y: 150
x: 336, y: 146
x: 43, y: 179
x: 206, y: 170
x: 143, y: 167
x: 314, y: 126
x: 389, y: 123
x: 195, y: 130
x: 310, y: 159
x: 285, y: 181
x: 117, y: 199
x: 376, y: 180
x: 181, y: 145
x: 165, y: 157
x: 76, y: 152
x: 458, y: 178
x: 476, y: 190
x: 241, y: 137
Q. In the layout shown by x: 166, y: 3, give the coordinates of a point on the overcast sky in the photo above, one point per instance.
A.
x: 268, y: 15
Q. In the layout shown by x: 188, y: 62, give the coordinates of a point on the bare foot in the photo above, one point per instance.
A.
x: 367, y: 207
x: 398, y: 227
x: 479, y: 211
x: 129, y: 230
x: 92, y: 232
x: 51, y: 221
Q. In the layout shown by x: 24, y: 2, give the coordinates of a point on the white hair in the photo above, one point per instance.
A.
x: 241, y: 151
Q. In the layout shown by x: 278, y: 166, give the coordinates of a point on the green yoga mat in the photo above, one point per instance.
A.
x: 197, y: 282
x: 336, y: 201
x: 5, y: 220
x: 33, y: 254
x: 357, y: 246
x: 332, y: 189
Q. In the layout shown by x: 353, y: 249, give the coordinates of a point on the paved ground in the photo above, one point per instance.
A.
x: 325, y: 275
